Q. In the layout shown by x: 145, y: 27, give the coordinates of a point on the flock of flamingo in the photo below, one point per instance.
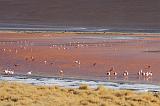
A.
x: 126, y: 73
x: 110, y: 72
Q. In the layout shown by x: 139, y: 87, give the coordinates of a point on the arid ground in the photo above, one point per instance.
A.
x: 81, y: 55
x: 24, y: 94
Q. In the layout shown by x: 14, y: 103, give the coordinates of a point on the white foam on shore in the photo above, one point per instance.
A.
x: 111, y: 37
x: 75, y: 83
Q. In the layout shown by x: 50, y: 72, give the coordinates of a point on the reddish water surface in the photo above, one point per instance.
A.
x: 81, y: 55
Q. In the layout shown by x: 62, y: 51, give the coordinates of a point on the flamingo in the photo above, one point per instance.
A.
x: 94, y: 64
x: 147, y: 74
x: 45, y: 62
x: 143, y: 74
x: 140, y: 72
x: 111, y: 69
x: 11, y: 72
x: 77, y: 62
x: 61, y: 72
x: 32, y: 58
x: 6, y: 71
x: 147, y: 66
x: 125, y: 73
x: 150, y: 73
x: 29, y: 73
x: 115, y: 73
x: 108, y: 73
x: 16, y: 65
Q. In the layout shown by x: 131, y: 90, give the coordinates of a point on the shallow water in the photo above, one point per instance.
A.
x: 106, y: 50
x: 75, y: 83
x: 52, y: 28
